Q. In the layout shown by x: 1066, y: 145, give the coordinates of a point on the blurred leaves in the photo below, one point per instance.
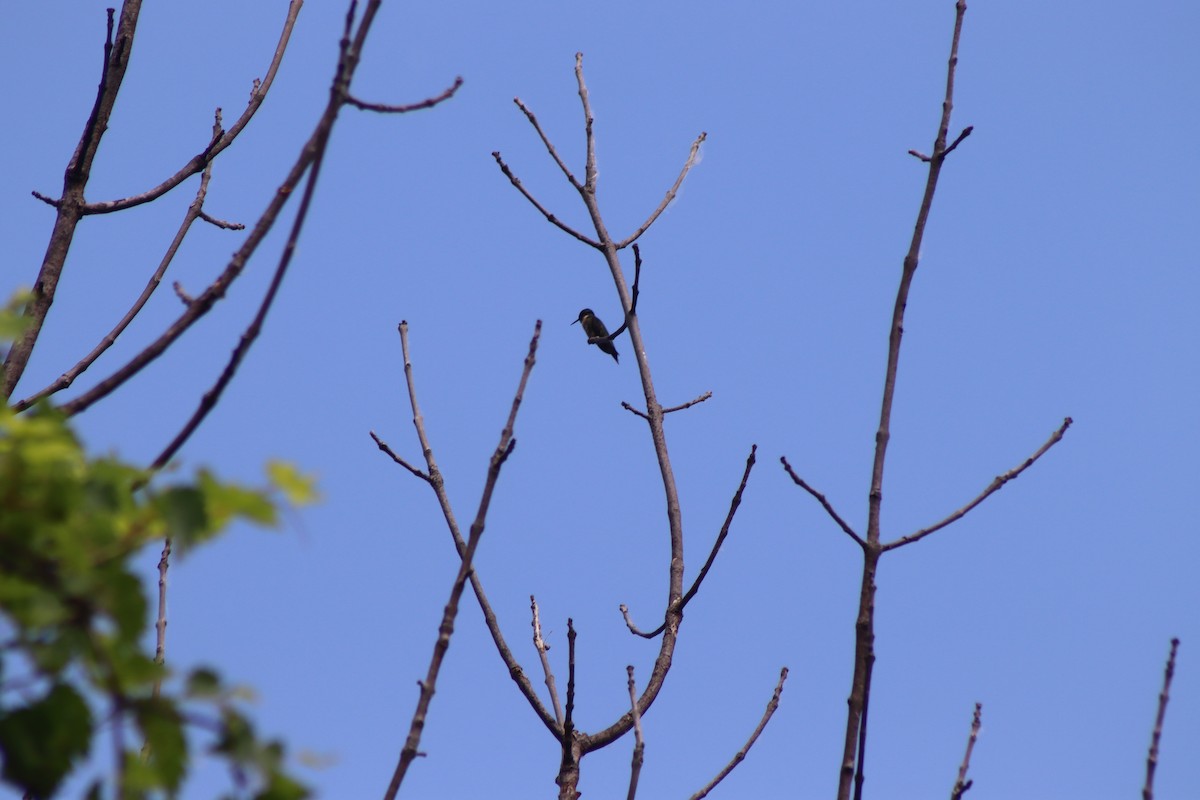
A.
x: 77, y: 615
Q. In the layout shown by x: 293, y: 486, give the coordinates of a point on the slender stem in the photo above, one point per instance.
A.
x: 740, y: 756
x: 1164, y: 695
x: 446, y: 629
x: 70, y: 205
x: 864, y: 647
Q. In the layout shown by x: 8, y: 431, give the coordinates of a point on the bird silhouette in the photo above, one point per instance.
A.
x: 593, y: 327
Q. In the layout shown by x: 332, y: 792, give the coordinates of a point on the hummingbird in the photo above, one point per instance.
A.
x: 593, y: 327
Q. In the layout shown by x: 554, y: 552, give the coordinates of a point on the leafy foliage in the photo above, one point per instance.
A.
x: 75, y: 615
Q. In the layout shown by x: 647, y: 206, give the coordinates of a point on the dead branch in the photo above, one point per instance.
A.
x: 542, y: 648
x: 219, y: 142
x: 437, y: 482
x: 194, y: 211
x: 741, y: 754
x: 1156, y: 736
x: 962, y: 784
x: 639, y: 744
x: 864, y: 653
x: 428, y: 102
x: 553, y: 220
x: 829, y: 509
x: 712, y: 555
x: 993, y: 487
x: 446, y: 629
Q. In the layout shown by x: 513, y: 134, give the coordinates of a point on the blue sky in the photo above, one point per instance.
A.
x: 1059, y: 276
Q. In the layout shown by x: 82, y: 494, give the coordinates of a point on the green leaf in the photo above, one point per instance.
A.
x: 41, y: 741
x: 166, y: 745
x: 203, y: 683
x: 299, y: 489
x: 184, y: 509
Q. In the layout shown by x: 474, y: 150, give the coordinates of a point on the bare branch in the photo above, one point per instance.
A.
x: 568, y: 728
x: 160, y: 626
x: 428, y: 102
x: 637, y: 278
x: 639, y: 745
x: 317, y: 145
x: 741, y: 754
x: 965, y: 133
x: 545, y: 212
x: 666, y: 201
x: 218, y: 142
x: 69, y: 206
x: 829, y: 509
x: 220, y: 223
x: 1152, y: 757
x: 194, y: 211
x: 590, y: 173
x: 446, y: 628
x: 388, y: 450
x: 670, y: 410
x: 634, y: 411
x: 438, y: 484
x: 864, y: 639
x: 688, y: 404
x: 962, y: 784
x: 712, y: 555
x: 546, y: 141
x: 992, y: 488
x: 540, y: 645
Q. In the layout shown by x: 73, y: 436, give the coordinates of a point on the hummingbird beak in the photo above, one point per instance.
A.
x: 573, y: 322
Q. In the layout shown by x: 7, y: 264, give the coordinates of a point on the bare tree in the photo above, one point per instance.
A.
x: 574, y: 743
x: 873, y: 546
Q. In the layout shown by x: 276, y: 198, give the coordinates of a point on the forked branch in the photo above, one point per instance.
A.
x: 446, y: 629
x: 433, y: 476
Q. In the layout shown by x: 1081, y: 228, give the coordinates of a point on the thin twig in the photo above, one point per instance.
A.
x: 829, y: 509
x: 864, y: 641
x: 688, y: 404
x: 318, y: 143
x: 568, y: 727
x: 962, y: 784
x: 386, y: 448
x: 639, y: 745
x: 1152, y: 757
x: 671, y: 410
x: 437, y: 482
x: 589, y: 170
x: 194, y: 211
x: 992, y: 488
x: 446, y: 629
x: 69, y: 206
x: 221, y: 223
x: 637, y: 278
x: 160, y: 626
x: 666, y: 201
x: 741, y: 754
x: 540, y: 645
x: 634, y: 411
x: 712, y: 555
x: 217, y: 143
x: 508, y: 173
x: 428, y: 102
x: 546, y: 141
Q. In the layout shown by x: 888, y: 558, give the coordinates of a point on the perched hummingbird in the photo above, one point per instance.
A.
x: 593, y: 327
